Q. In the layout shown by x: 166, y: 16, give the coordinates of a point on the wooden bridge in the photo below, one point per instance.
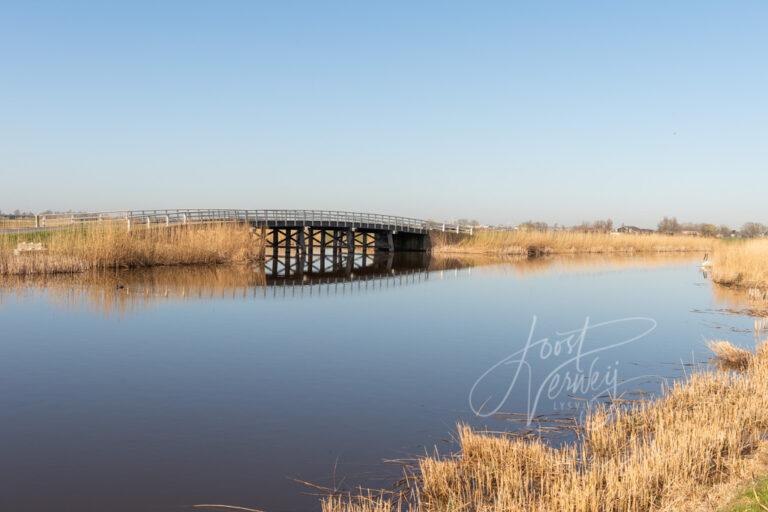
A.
x: 284, y: 231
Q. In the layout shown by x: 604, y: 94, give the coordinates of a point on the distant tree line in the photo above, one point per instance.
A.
x: 21, y: 213
x: 16, y: 213
x: 667, y: 225
x: 670, y: 225
x: 598, y: 226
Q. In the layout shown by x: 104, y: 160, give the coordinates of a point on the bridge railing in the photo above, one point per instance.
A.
x: 195, y: 216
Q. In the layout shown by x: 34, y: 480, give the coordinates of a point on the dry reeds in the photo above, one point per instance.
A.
x: 107, y: 246
x: 16, y: 223
x: 742, y: 264
x: 670, y: 454
x: 729, y: 356
x: 522, y: 242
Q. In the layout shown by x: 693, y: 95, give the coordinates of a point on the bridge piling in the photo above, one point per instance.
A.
x: 336, y: 234
x: 311, y: 244
x: 288, y: 241
x: 301, y: 247
x: 350, y: 241
x: 263, y: 243
x: 275, y: 241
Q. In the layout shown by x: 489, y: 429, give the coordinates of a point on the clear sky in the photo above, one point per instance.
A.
x: 500, y: 111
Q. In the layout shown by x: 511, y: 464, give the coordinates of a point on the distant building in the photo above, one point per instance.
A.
x: 634, y: 230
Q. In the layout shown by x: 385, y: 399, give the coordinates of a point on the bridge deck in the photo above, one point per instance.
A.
x: 329, y: 219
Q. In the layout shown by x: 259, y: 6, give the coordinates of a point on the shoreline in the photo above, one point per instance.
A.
x: 655, y: 455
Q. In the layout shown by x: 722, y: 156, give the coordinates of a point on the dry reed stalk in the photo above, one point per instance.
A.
x: 701, y: 435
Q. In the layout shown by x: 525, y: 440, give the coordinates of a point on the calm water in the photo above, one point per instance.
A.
x: 157, y: 390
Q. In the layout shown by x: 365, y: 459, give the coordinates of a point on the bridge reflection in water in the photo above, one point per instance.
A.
x: 125, y: 291
x: 342, y: 266
x: 344, y: 273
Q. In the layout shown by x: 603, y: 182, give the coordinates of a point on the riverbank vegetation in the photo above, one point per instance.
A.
x: 108, y: 246
x: 742, y: 264
x: 538, y: 242
x: 687, y: 450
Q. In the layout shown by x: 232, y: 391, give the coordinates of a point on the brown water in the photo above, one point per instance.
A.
x: 155, y: 390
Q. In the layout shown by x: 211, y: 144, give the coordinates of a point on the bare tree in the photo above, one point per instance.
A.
x: 530, y: 225
x: 708, y: 229
x: 669, y: 225
x: 753, y: 229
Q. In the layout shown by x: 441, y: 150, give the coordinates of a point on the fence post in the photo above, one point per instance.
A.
x: 37, y: 221
x: 128, y: 222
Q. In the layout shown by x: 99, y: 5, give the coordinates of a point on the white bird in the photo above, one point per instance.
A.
x: 706, y: 263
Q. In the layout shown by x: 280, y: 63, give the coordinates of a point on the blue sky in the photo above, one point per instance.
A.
x: 500, y: 111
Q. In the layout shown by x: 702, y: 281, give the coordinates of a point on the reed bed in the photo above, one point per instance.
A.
x: 742, y: 263
x: 521, y: 242
x: 729, y: 356
x: 686, y: 450
x: 110, y: 246
x: 22, y: 222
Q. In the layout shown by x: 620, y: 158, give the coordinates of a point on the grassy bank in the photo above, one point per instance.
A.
x: 742, y: 263
x: 752, y: 498
x: 567, y: 242
x: 685, y: 451
x: 108, y: 246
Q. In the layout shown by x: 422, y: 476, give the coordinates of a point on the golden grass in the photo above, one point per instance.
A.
x: 567, y: 242
x: 111, y: 245
x: 743, y: 264
x: 684, y: 451
x: 24, y: 222
x: 729, y: 356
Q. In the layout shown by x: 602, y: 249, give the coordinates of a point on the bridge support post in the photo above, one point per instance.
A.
x: 311, y: 244
x: 288, y: 242
x: 301, y: 247
x: 350, y: 241
x: 275, y: 242
x: 322, y: 243
x: 365, y: 245
x: 335, y: 234
x: 263, y: 243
